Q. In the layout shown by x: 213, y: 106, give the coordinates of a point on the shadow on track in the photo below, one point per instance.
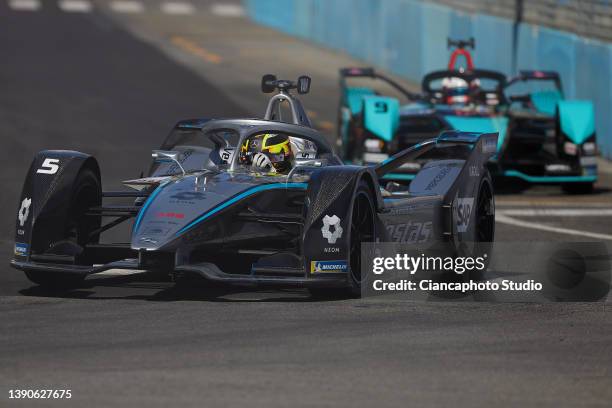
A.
x: 516, y: 186
x: 149, y: 287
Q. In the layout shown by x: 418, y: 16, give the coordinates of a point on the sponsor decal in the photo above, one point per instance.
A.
x: 489, y: 145
x: 180, y: 216
x: 21, y: 249
x: 302, y: 148
x: 153, y: 231
x: 410, y: 232
x: 328, y: 266
x: 49, y: 166
x: 331, y: 229
x: 557, y: 168
x: 24, y: 211
x: 438, y: 178
x: 463, y: 212
x: 474, y: 171
x: 187, y: 197
x: 226, y: 155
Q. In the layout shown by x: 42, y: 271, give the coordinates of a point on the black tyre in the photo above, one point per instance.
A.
x: 577, y: 188
x: 485, y: 226
x: 363, y: 229
x: 78, y: 231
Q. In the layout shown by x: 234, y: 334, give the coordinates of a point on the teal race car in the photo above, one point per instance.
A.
x: 543, y: 137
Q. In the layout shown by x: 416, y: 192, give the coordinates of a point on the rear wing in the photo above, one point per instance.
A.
x: 484, y: 146
x: 544, y: 101
x: 369, y: 72
x: 529, y: 75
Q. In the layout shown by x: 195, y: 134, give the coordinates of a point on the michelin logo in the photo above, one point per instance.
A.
x: 328, y: 266
x: 328, y: 223
x: 21, y: 249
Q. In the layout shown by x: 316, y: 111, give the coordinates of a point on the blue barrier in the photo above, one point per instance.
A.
x: 408, y: 37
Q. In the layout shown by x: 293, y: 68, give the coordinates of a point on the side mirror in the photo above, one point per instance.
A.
x: 303, y: 84
x: 268, y: 83
x: 168, y: 155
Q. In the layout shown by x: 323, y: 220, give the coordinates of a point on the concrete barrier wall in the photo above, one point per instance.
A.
x: 408, y: 37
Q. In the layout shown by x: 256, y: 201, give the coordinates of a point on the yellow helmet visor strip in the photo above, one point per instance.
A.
x: 270, y: 146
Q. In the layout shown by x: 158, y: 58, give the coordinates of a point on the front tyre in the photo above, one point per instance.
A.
x: 363, y: 229
x: 79, y: 230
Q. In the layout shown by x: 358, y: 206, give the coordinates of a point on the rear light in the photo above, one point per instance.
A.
x: 570, y: 148
x: 589, y: 148
x: 374, y: 158
x: 374, y: 145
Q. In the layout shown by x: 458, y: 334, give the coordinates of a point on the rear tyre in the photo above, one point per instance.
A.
x: 78, y: 230
x: 485, y: 227
x: 577, y: 188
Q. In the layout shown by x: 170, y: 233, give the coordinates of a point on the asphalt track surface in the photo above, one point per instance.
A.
x: 85, y: 81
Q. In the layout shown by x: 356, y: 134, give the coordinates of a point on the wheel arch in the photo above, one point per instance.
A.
x: 47, y: 194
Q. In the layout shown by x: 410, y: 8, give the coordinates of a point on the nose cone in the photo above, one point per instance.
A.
x: 175, y: 205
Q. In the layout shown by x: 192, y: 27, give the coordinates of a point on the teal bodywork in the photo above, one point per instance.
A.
x: 354, y: 98
x: 546, y: 101
x: 480, y: 124
x: 577, y: 120
x: 381, y: 116
x: 399, y: 176
x: 550, y: 179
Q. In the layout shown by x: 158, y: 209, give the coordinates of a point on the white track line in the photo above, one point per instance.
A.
x: 24, y: 5
x: 127, y: 6
x: 557, y: 212
x: 175, y: 7
x: 227, y: 10
x: 75, y: 6
x: 504, y: 219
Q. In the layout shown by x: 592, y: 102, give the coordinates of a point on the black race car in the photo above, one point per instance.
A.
x: 254, y: 202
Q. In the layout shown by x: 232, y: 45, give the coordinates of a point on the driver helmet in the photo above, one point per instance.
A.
x: 270, y: 151
x: 456, y: 90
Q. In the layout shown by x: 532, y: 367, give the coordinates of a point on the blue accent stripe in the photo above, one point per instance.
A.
x: 147, y: 204
x: 398, y: 176
x: 241, y: 196
x: 550, y: 179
